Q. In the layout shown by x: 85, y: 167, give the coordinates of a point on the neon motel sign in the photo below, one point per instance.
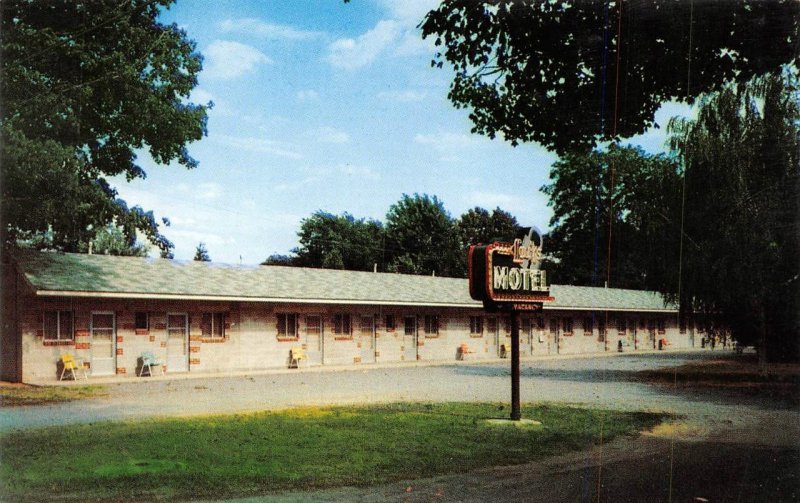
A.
x: 507, y: 275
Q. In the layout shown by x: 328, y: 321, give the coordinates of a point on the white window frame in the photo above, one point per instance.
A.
x: 217, y: 329
x: 476, y: 326
x: 59, y: 336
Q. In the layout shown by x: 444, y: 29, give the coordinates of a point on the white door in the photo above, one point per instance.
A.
x: 410, y: 338
x: 314, y: 349
x: 104, y: 344
x: 493, y: 332
x: 177, y: 342
x: 367, y: 334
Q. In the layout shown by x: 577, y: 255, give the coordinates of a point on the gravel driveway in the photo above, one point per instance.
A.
x: 725, y: 447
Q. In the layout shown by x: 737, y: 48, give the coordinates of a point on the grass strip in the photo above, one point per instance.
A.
x: 301, y: 449
x: 23, y: 394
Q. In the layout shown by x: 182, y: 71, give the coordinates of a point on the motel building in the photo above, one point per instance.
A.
x: 110, y: 312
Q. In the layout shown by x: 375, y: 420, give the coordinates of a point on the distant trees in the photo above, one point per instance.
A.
x: 422, y: 237
x: 419, y: 237
x: 639, y: 194
x: 201, y: 253
x: 339, y: 242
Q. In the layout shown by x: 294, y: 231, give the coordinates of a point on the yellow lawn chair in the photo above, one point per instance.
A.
x: 296, y: 355
x: 69, y: 363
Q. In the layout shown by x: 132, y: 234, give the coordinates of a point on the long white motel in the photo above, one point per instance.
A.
x: 201, y: 317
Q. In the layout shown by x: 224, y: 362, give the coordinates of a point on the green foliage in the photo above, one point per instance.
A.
x: 112, y: 240
x: 477, y: 226
x: 742, y: 216
x: 645, y: 197
x: 422, y: 237
x: 85, y: 84
x: 557, y: 73
x: 219, y: 457
x: 201, y: 253
x: 339, y: 242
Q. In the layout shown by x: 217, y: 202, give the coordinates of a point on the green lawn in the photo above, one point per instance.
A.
x: 241, y: 455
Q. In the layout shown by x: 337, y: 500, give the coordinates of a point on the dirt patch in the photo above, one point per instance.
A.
x: 734, y: 373
x: 17, y: 394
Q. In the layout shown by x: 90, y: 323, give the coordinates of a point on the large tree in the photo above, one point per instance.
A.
x: 569, y: 74
x: 422, y: 238
x: 339, y: 242
x: 477, y: 225
x: 84, y: 85
x: 741, y: 253
x: 622, y: 196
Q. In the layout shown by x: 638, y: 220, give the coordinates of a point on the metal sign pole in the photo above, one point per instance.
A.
x: 516, y: 415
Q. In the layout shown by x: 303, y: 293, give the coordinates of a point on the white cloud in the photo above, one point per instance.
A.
x: 261, y: 145
x: 448, y: 141
x: 227, y: 60
x: 265, y: 29
x: 350, y: 54
x: 200, y: 96
x: 307, y: 95
x: 407, y: 96
x: 208, y: 191
x: 328, y: 134
x: 361, y: 172
x: 411, y: 11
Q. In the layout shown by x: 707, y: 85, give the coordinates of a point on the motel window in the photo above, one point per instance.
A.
x: 432, y: 325
x: 621, y: 326
x: 540, y: 322
x: 491, y: 325
x: 588, y: 325
x: 567, y: 326
x: 553, y: 325
x: 601, y: 329
x: 390, y: 323
x: 662, y: 326
x: 475, y: 326
x: 287, y: 325
x: 142, y: 321
x: 58, y: 326
x: 526, y: 326
x: 342, y: 324
x: 410, y: 325
x: 213, y: 325
x: 682, y: 324
x: 651, y: 325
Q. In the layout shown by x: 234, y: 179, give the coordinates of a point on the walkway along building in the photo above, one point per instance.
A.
x: 207, y: 317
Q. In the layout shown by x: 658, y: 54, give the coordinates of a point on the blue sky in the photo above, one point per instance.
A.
x: 322, y: 105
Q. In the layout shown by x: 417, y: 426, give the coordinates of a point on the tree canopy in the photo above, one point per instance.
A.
x: 339, y: 242
x: 639, y: 194
x: 422, y: 237
x: 86, y: 84
x: 201, y: 253
x: 741, y: 258
x: 571, y: 74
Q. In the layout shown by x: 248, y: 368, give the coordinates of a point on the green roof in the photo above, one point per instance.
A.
x: 65, y: 274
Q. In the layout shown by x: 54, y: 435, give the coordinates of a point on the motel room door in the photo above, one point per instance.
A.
x: 367, y: 339
x: 314, y: 339
x: 177, y: 342
x: 555, y: 335
x: 410, y: 338
x: 493, y: 332
x: 104, y: 344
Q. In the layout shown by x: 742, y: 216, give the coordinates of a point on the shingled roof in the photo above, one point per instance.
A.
x: 77, y: 275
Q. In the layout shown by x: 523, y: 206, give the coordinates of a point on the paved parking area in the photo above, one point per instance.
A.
x: 608, y: 381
